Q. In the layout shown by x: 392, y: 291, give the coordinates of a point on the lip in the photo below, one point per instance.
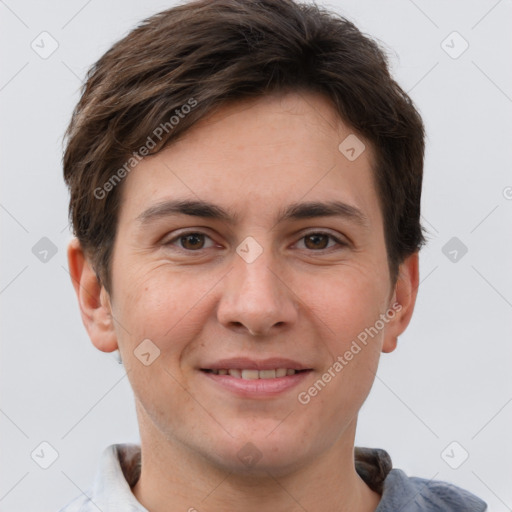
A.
x: 257, y: 388
x: 252, y: 364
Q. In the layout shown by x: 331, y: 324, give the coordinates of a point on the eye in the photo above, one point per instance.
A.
x: 320, y: 240
x: 193, y: 241
x: 190, y: 241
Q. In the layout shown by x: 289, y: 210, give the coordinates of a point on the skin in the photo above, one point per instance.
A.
x: 199, y: 301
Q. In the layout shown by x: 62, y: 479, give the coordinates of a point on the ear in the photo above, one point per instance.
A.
x: 93, y: 299
x: 403, y: 301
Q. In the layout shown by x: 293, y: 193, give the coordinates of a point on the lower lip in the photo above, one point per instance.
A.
x: 257, y: 388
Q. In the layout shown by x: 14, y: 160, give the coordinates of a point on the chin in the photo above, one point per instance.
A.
x: 262, y: 454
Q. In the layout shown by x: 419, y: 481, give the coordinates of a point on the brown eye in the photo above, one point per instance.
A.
x: 320, y: 241
x: 316, y: 241
x: 192, y: 241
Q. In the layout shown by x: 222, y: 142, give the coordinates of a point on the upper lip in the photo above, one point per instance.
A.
x: 253, y: 364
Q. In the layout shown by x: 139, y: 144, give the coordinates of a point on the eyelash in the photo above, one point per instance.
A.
x: 188, y: 233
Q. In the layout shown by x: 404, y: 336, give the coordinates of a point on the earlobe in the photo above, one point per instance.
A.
x: 93, y: 300
x: 403, y: 301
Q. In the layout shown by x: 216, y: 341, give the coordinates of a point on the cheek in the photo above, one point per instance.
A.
x: 162, y: 304
x: 345, y: 302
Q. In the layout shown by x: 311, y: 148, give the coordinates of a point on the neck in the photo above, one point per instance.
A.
x: 172, y: 478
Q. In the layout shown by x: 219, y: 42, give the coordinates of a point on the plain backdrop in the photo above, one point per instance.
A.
x: 444, y: 393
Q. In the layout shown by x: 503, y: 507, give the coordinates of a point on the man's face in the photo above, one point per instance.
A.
x: 258, y: 289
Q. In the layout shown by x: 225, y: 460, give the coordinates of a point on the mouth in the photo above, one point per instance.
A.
x: 248, y: 378
x: 252, y: 374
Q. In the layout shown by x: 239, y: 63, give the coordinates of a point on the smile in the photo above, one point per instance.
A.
x: 251, y: 374
x: 256, y: 384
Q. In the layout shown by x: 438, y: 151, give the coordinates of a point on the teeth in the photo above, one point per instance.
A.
x: 252, y: 374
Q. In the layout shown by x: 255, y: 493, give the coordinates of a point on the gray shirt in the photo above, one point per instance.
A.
x: 119, y: 470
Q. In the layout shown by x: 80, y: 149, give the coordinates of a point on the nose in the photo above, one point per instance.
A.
x: 256, y: 298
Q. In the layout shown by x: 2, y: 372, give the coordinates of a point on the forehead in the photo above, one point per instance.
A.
x: 255, y: 155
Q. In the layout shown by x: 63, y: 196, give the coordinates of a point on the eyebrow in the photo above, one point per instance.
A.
x: 294, y: 211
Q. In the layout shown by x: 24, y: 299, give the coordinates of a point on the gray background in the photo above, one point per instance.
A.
x: 449, y: 380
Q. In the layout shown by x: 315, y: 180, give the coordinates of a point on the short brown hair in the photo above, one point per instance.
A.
x: 208, y: 52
